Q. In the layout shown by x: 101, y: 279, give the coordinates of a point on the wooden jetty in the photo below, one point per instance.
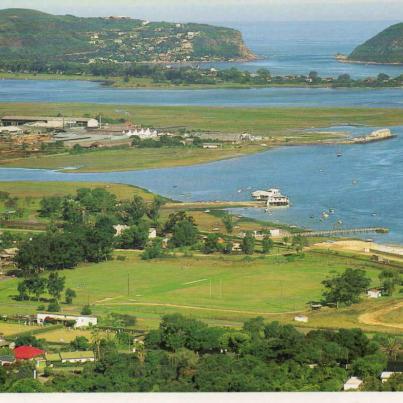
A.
x: 347, y: 231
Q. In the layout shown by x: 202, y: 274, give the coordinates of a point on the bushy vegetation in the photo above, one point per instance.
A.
x: 186, y: 355
x: 29, y: 35
x: 385, y: 47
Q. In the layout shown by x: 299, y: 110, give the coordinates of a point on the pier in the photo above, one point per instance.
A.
x: 379, y: 230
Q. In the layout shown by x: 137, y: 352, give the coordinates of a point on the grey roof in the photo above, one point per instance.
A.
x: 47, y: 118
x: 9, y: 358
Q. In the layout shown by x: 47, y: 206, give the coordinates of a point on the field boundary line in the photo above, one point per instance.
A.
x: 201, y: 308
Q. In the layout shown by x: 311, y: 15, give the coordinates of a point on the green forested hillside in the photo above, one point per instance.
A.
x: 386, y: 47
x: 29, y: 34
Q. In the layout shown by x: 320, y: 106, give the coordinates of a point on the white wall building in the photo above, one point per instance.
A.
x: 374, y: 293
x: 353, y: 383
x: 81, y: 321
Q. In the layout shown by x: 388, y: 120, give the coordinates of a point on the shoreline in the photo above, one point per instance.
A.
x: 147, y: 84
x: 345, y: 59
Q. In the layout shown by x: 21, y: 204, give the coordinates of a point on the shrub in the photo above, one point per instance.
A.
x: 53, y: 307
x: 86, y: 310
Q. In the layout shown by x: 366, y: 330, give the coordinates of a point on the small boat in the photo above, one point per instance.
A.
x: 239, y: 190
x: 339, y: 155
x: 325, y: 215
x: 373, y: 214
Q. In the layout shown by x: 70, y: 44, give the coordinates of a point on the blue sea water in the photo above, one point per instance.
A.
x: 364, y: 186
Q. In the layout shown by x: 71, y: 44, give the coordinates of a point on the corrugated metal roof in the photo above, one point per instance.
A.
x: 47, y: 118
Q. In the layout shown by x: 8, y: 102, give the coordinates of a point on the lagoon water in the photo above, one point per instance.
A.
x: 364, y: 186
x: 285, y: 48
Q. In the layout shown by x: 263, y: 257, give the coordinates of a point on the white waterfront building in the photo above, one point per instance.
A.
x: 273, y: 197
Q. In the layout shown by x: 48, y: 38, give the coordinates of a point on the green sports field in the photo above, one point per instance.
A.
x: 214, y: 287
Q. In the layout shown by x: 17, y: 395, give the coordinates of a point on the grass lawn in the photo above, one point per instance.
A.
x: 272, y: 287
x: 10, y: 329
x: 65, y: 335
x: 130, y: 158
x: 263, y: 121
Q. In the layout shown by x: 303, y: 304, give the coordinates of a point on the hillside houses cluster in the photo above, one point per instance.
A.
x: 145, y: 41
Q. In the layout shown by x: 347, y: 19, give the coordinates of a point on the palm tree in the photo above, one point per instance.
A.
x: 392, y: 347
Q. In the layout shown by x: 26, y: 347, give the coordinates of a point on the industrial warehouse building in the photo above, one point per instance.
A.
x: 50, y: 122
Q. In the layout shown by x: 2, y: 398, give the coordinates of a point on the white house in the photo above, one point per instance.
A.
x: 374, y: 293
x: 77, y: 356
x: 211, y: 146
x: 119, y: 229
x: 143, y: 134
x: 301, y: 318
x: 386, y: 375
x: 80, y: 321
x: 11, y: 130
x: 152, y: 233
x: 353, y: 383
x: 275, y: 232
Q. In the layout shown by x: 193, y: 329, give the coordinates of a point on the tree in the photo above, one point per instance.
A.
x: 131, y: 212
x: 390, y: 279
x: 38, y: 286
x: 56, y: 285
x: 248, y: 244
x: 69, y: 295
x: 28, y: 340
x: 22, y: 291
x: 174, y: 218
x: 54, y: 307
x: 27, y: 386
x: 184, y: 234
x: 134, y: 237
x: 86, y: 310
x: 50, y: 206
x: 299, y: 242
x: 370, y: 365
x: 228, y: 223
x: 345, y: 288
x: 80, y: 343
x: 211, y: 243
x: 267, y: 244
x: 153, y: 250
x: 153, y: 210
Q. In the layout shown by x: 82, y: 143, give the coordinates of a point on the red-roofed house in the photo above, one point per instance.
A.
x: 27, y: 352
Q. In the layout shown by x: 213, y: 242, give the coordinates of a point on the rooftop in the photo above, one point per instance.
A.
x: 46, y: 118
x: 27, y: 352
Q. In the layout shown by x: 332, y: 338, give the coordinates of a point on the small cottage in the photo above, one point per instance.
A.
x: 353, y: 383
x: 374, y: 293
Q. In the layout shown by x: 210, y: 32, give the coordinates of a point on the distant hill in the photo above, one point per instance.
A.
x: 29, y: 34
x: 386, y: 47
